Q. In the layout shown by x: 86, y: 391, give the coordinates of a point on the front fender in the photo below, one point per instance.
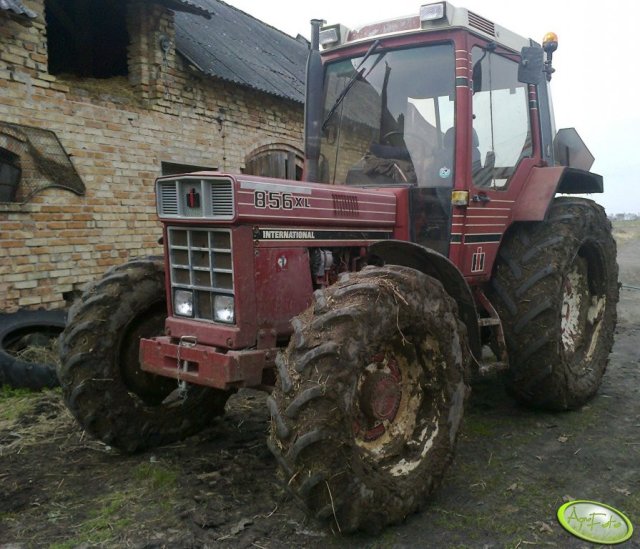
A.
x: 430, y: 262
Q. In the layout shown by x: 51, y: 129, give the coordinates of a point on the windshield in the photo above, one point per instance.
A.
x: 395, y: 124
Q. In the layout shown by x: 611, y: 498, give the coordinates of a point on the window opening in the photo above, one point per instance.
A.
x: 87, y: 38
x: 10, y: 173
x: 501, y: 128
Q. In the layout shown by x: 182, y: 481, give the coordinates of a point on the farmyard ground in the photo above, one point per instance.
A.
x: 512, y: 471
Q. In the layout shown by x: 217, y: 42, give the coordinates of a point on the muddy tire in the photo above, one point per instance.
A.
x: 556, y: 288
x: 20, y: 332
x: 102, y: 383
x: 370, y: 397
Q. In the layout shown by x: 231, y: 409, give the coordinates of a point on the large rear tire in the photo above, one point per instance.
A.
x: 102, y: 383
x: 556, y: 288
x: 370, y: 398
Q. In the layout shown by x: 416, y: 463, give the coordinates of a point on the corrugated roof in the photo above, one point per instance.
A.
x: 17, y: 8
x: 188, y: 6
x: 237, y: 47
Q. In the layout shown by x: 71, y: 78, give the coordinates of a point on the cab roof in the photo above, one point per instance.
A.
x: 431, y: 17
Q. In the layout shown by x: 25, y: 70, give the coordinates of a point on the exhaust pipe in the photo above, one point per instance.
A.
x: 313, y: 105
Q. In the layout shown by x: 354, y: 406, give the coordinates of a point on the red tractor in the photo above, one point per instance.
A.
x: 426, y: 230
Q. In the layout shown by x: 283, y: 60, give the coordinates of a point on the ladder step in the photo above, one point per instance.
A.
x: 489, y: 322
x: 489, y: 367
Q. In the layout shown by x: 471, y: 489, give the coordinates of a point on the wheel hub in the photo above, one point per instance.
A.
x: 380, y: 394
x: 380, y: 397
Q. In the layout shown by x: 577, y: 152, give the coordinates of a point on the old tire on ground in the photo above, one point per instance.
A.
x: 102, y: 383
x: 21, y: 332
x: 556, y: 289
x: 370, y: 398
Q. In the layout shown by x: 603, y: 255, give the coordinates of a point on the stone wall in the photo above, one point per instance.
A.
x: 117, y: 133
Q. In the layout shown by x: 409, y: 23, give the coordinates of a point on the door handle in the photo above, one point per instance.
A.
x: 481, y: 197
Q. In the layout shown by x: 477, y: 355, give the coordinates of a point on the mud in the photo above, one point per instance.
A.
x: 513, y: 469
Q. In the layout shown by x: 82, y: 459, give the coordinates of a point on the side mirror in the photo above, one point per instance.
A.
x: 531, y: 68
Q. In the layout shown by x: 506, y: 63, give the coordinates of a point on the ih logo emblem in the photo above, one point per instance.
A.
x: 193, y: 198
x: 477, y: 261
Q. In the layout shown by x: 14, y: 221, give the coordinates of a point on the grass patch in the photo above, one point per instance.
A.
x: 476, y: 425
x: 14, y: 403
x: 103, y: 524
x: 7, y: 392
x: 29, y: 417
x: 626, y: 230
x: 150, y: 493
x: 156, y: 477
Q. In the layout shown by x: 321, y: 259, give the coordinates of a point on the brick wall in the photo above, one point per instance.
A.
x: 117, y: 132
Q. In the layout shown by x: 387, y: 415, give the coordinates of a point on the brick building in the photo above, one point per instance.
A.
x: 97, y: 98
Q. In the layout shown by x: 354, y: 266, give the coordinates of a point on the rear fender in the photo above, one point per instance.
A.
x: 541, y: 186
x: 430, y: 262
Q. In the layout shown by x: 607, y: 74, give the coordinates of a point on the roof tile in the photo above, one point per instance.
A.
x: 237, y: 47
x: 17, y: 7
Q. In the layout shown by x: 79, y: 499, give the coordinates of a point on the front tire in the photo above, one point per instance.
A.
x: 556, y: 288
x: 371, y: 396
x: 102, y: 383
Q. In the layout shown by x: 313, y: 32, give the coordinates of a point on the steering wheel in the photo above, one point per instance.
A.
x: 385, y: 138
x: 403, y: 135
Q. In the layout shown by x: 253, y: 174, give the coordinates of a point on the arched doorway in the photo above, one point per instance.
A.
x: 277, y: 160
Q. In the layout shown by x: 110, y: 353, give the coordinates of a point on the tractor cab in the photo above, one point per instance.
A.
x: 438, y: 103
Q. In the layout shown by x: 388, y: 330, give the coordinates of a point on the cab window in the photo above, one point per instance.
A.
x: 501, y: 128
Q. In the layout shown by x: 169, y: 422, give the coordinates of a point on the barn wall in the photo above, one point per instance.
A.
x: 117, y: 132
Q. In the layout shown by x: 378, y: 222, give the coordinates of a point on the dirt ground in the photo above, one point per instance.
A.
x: 513, y: 469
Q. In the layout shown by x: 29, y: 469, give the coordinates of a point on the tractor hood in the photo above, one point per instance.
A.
x: 216, y: 197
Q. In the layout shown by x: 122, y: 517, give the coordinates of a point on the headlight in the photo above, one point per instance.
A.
x: 183, y: 302
x: 223, y: 309
x: 432, y: 12
x: 329, y: 36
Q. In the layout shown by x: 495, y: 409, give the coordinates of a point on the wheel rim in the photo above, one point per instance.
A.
x: 575, y: 297
x: 397, y: 412
x: 379, y: 396
x: 582, y: 309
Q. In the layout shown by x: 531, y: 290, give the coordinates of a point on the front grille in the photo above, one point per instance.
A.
x: 193, y: 197
x: 201, y: 262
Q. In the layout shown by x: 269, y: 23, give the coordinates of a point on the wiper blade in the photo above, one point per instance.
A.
x: 359, y: 71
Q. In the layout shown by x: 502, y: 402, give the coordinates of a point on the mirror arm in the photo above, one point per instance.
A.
x: 548, y: 68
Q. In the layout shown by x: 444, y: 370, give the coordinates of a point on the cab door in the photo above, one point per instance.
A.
x: 502, y: 153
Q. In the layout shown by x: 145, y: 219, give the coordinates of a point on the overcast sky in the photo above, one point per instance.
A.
x: 595, y: 87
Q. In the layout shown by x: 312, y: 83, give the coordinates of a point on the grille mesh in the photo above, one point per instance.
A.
x: 221, y: 198
x: 210, y: 198
x: 168, y: 198
x: 201, y: 262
